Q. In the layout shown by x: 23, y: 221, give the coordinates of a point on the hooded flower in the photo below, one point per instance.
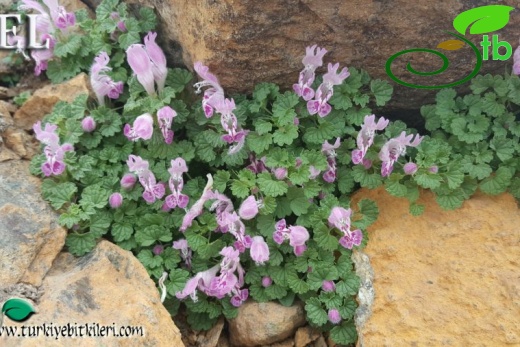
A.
x: 395, y: 148
x: 297, y: 236
x: 214, y: 94
x: 152, y: 189
x: 340, y: 219
x: 366, y: 136
x: 186, y: 252
x: 176, y: 183
x: 259, y: 250
x: 141, y: 129
x: 200, y: 281
x: 148, y: 63
x: 249, y: 208
x: 165, y: 117
x: 312, y: 60
x: 330, y: 152
x: 196, y: 208
x: 325, y: 91
x: 54, y: 152
x: 102, y: 84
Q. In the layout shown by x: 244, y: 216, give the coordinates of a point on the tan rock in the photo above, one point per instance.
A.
x: 264, y: 323
x: 223, y: 341
x: 31, y: 237
x: 43, y: 100
x: 14, y: 139
x: 305, y: 335
x: 285, y: 343
x: 247, y: 42
x: 211, y: 337
x: 107, y: 287
x: 320, y: 342
x: 446, y: 277
x: 6, y: 154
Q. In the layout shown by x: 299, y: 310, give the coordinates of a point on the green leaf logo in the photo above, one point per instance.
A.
x: 484, y: 19
x: 17, y: 309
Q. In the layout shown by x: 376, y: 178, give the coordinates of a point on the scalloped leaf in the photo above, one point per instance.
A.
x: 483, y: 19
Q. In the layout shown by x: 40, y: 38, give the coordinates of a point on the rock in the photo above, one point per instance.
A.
x: 285, y: 343
x: 445, y: 277
x: 31, y: 237
x: 211, y: 337
x: 223, y: 341
x: 43, y: 100
x: 107, y: 287
x: 6, y: 154
x: 305, y: 335
x: 320, y: 342
x: 266, y: 40
x: 264, y: 323
x: 5, y: 116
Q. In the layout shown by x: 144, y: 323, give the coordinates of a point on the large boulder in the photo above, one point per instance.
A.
x: 445, y: 278
x: 108, y: 293
x: 247, y: 42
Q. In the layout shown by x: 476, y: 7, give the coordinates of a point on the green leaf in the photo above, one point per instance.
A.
x: 451, y: 200
x: 148, y: 259
x: 17, y: 309
x: 497, y: 183
x: 427, y: 179
x: 122, y: 231
x: 482, y: 19
x: 100, y: 223
x: 324, y: 239
x: 259, y: 143
x: 298, y: 285
x: 105, y: 8
x: 315, y: 312
x: 416, y: 209
x: 285, y: 135
x: 299, y: 203
x: 57, y: 194
x: 69, y: 47
x: 382, y: 91
x: 283, y: 108
x: 369, y: 210
x: 394, y: 187
x: 348, y: 286
x: 220, y: 180
x: 263, y: 127
x: 271, y: 187
x: 147, y: 19
x: 80, y: 244
x: 177, y: 281
x: 151, y: 234
x: 366, y: 179
x: 504, y: 148
x: 344, y: 334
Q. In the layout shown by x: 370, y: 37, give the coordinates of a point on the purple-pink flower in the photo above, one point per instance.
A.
x: 88, y: 124
x: 185, y: 250
x: 196, y: 208
x: 249, y: 208
x: 297, y: 236
x: 395, y: 148
x: 54, y: 152
x: 102, y: 84
x: 366, y: 136
x: 312, y: 60
x: 328, y: 286
x: 259, y: 250
x: 330, y: 152
x: 334, y: 316
x: 152, y: 189
x: 176, y: 183
x: 214, y: 94
x: 148, y: 63
x: 165, y: 117
x: 410, y: 168
x: 141, y: 129
x: 340, y: 219
x: 128, y: 181
x: 325, y: 91
x: 115, y: 200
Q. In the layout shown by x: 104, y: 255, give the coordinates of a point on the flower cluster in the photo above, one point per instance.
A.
x: 102, y: 84
x: 317, y: 101
x: 54, y: 152
x: 214, y: 101
x: 52, y: 17
x: 365, y: 138
x: 148, y: 63
x: 297, y: 236
x: 152, y: 189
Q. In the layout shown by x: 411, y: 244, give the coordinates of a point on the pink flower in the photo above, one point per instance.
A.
x: 148, y: 62
x: 201, y: 281
x: 328, y: 286
x: 312, y: 60
x: 165, y: 117
x: 249, y: 208
x: 128, y: 181
x: 196, y: 208
x: 410, y: 168
x: 54, y: 152
x: 158, y: 249
x: 213, y: 95
x: 186, y: 252
x: 340, y: 218
x: 102, y: 84
x: 395, y: 148
x: 266, y: 281
x: 325, y: 91
x: 366, y: 136
x: 280, y: 173
x: 88, y: 124
x: 115, y: 200
x: 136, y: 164
x: 176, y: 183
x: 141, y: 129
x: 259, y: 250
x: 297, y: 236
x: 329, y: 150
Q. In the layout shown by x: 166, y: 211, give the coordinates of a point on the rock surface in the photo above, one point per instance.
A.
x: 31, y: 237
x: 247, y: 42
x: 264, y: 323
x: 43, y: 100
x: 446, y: 278
x: 108, y: 287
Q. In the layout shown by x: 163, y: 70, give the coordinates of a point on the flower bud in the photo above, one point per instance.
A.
x: 280, y: 173
x: 259, y: 250
x: 296, y: 121
x: 328, y: 286
x: 434, y: 169
x: 334, y: 316
x: 128, y: 181
x: 158, y: 249
x: 367, y: 163
x: 115, y: 200
x: 410, y: 168
x: 266, y: 281
x: 88, y: 124
x: 249, y: 208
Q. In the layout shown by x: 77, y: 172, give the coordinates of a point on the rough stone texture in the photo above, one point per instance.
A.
x: 31, y: 237
x: 247, y: 42
x: 43, y: 100
x: 212, y: 336
x: 107, y: 286
x: 446, y: 278
x: 264, y: 323
x: 304, y: 336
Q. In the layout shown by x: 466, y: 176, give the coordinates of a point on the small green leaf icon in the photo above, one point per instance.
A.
x: 485, y: 19
x: 17, y: 309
